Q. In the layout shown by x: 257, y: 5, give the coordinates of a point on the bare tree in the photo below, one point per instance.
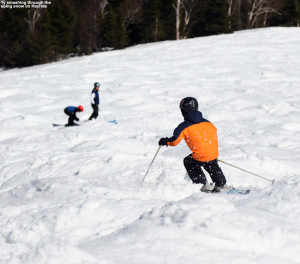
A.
x: 234, y: 10
x: 229, y: 7
x: 234, y: 7
x: 102, y: 7
x: 177, y: 10
x: 31, y: 21
x: 183, y: 9
x: 188, y: 6
x: 257, y: 8
x: 132, y: 11
x: 266, y: 14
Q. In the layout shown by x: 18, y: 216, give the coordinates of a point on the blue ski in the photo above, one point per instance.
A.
x: 231, y: 191
x: 113, y: 121
x: 236, y: 191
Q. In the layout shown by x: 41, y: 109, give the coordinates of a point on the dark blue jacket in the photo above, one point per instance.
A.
x: 190, y: 118
x: 73, y: 109
x: 96, y: 98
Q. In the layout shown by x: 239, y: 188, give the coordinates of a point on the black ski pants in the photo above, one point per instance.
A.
x: 195, y: 168
x: 95, y: 111
x: 72, y: 117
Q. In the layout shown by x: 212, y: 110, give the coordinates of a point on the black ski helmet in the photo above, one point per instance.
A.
x: 96, y: 84
x: 188, y: 104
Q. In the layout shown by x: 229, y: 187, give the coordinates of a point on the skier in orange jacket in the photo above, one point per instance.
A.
x: 201, y: 137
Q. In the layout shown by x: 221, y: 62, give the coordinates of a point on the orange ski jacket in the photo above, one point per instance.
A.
x: 199, y: 134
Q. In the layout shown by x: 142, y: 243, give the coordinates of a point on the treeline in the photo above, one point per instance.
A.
x: 77, y: 27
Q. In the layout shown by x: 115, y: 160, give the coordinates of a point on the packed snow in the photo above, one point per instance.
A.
x: 75, y: 195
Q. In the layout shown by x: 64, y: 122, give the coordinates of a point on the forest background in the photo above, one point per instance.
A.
x: 37, y: 33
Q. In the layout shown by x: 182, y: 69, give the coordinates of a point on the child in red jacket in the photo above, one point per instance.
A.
x: 71, y: 112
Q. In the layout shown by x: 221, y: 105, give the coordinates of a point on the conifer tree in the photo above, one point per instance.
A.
x: 12, y: 34
x: 291, y: 13
x: 152, y: 21
x: 60, y: 19
x: 34, y: 36
x: 113, y: 32
x: 211, y: 18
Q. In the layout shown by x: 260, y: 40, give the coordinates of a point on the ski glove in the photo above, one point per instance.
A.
x: 163, y: 141
x: 77, y: 119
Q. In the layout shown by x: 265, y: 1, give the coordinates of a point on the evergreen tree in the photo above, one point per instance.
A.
x: 211, y: 18
x: 158, y: 20
x: 85, y: 26
x: 152, y: 29
x: 39, y: 45
x: 86, y: 30
x: 25, y: 45
x: 60, y: 20
x: 217, y: 17
x: 112, y: 30
x: 168, y: 19
x: 290, y: 13
x: 12, y: 34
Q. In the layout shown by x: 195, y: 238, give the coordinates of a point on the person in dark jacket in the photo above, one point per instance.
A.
x: 201, y: 137
x: 95, y: 100
x: 71, y: 112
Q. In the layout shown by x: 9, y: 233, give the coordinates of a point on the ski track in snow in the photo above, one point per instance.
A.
x: 74, y: 195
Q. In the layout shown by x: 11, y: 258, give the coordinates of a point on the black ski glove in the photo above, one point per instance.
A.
x: 76, y: 118
x: 163, y: 141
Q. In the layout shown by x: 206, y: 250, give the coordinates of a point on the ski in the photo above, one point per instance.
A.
x: 231, y: 191
x: 113, y: 121
x: 58, y: 125
x: 61, y: 126
x: 236, y: 191
x: 109, y: 121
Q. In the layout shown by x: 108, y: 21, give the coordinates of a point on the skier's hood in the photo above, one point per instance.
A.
x: 194, y: 117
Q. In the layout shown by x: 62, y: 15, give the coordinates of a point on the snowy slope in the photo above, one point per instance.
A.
x: 75, y: 196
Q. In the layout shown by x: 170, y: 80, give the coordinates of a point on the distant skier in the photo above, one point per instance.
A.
x: 71, y: 112
x: 95, y: 100
x: 201, y: 137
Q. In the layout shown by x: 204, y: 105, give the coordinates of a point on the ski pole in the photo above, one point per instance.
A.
x: 246, y: 171
x: 151, y: 164
x: 113, y: 121
x: 103, y: 115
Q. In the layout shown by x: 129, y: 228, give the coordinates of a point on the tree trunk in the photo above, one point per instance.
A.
x: 156, y: 30
x: 178, y: 19
x: 31, y: 21
x: 229, y: 12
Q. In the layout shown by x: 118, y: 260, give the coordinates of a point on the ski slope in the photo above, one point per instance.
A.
x: 74, y: 195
